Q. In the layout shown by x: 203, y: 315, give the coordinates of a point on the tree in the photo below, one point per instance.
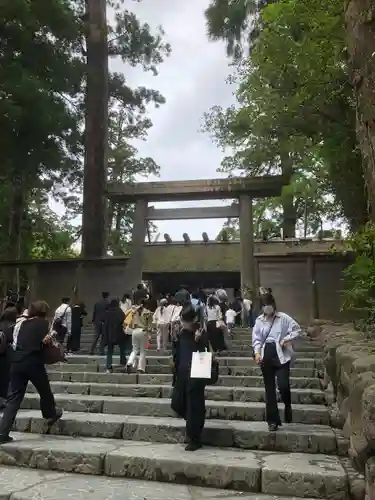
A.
x: 124, y: 167
x: 237, y: 22
x: 361, y: 48
x: 134, y: 43
x: 42, y: 108
x: 295, y: 110
x: 39, y: 71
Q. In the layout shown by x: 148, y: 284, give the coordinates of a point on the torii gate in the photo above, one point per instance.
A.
x: 244, y: 189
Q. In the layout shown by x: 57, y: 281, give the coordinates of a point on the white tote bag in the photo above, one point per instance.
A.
x: 201, y: 365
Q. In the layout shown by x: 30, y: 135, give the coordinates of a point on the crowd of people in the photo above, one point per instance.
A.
x: 191, y: 322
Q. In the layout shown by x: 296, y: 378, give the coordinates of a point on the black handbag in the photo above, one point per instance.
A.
x: 214, y: 372
x: 53, y: 353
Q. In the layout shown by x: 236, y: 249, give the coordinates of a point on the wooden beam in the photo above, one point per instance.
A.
x: 192, y: 213
x: 205, y: 189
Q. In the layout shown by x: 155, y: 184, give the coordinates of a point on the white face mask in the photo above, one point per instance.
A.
x: 268, y: 310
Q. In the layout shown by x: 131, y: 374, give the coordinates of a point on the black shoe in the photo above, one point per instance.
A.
x: 6, y: 439
x: 273, y: 427
x: 193, y: 446
x: 56, y: 418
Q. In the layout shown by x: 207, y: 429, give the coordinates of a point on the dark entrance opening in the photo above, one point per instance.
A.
x: 163, y: 283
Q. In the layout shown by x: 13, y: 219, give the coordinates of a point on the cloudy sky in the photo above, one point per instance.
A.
x: 192, y: 79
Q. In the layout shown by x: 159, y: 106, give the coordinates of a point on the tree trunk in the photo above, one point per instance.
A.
x: 119, y: 216
x: 14, y: 232
x: 360, y: 23
x: 110, y: 216
x: 289, y: 216
x: 287, y: 200
x: 96, y: 132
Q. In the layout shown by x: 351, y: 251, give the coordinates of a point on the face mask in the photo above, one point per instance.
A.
x: 268, y: 310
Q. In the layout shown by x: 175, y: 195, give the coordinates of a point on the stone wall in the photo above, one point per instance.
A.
x: 349, y: 380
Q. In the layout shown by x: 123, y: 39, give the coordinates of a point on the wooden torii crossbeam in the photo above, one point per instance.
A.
x: 244, y: 189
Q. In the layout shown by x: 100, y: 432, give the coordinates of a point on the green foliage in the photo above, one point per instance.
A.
x: 295, y: 115
x: 359, y: 292
x: 237, y: 22
x: 42, y: 96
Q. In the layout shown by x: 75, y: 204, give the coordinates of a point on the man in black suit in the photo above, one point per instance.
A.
x: 98, y: 317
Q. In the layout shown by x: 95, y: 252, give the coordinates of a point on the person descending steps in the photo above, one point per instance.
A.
x: 273, y: 334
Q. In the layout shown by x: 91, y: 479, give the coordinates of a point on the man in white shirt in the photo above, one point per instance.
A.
x: 62, y: 321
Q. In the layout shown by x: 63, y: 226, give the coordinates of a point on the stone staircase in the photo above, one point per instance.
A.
x: 119, y: 439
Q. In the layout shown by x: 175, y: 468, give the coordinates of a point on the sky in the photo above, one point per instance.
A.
x: 192, y: 79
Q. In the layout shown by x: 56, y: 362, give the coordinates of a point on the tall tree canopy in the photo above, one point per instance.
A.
x: 42, y: 109
x: 295, y: 113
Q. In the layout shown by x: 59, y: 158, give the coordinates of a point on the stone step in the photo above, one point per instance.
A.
x: 166, y: 379
x: 256, y: 380
x: 304, y: 475
x: 28, y: 484
x: 165, y: 360
x: 215, y: 393
x: 221, y: 433
x: 240, y: 345
x: 161, y: 407
x: 234, y: 381
x: 245, y: 352
x: 81, y: 372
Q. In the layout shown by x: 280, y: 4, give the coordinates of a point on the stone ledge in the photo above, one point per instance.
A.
x: 218, y: 433
x: 349, y: 380
x: 27, y: 484
x: 305, y: 475
x: 117, y: 381
x: 161, y: 407
x: 215, y: 393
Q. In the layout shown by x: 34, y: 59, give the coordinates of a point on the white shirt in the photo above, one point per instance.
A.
x: 174, y: 312
x: 283, y: 328
x: 65, y: 313
x: 230, y: 316
x: 246, y: 304
x: 161, y: 316
x: 125, y: 306
x: 213, y: 313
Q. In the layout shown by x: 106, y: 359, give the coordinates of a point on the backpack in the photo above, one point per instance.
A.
x: 129, y: 318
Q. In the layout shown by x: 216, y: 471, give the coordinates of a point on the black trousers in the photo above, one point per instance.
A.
x: 74, y: 340
x: 188, y: 401
x: 98, y: 338
x: 272, y: 369
x: 4, y: 374
x: 30, y: 369
x: 216, y: 337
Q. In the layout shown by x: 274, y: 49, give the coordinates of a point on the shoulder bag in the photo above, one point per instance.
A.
x: 266, y: 337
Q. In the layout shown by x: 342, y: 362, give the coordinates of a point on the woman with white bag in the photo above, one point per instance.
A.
x: 188, y: 397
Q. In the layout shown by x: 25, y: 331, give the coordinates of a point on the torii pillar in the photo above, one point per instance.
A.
x: 135, y: 265
x: 247, y: 261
